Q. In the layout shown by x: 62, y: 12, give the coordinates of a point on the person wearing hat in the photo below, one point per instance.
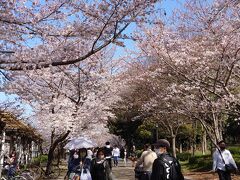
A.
x: 165, y: 167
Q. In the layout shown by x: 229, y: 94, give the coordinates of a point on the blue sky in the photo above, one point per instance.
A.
x: 170, y: 5
x: 167, y: 5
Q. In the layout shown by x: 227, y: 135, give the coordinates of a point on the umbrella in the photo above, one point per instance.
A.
x: 79, y: 143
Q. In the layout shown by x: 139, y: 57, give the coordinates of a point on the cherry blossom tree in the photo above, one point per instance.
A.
x: 152, y: 91
x: 57, y: 36
x: 39, y: 34
x: 68, y: 99
x: 201, y: 51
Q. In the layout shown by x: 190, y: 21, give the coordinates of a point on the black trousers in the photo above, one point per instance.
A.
x: 223, y: 175
x: 146, y: 175
x: 109, y: 162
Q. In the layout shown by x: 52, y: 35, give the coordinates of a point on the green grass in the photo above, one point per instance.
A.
x: 198, y: 163
x: 184, y: 166
x: 235, y: 150
x: 204, y: 162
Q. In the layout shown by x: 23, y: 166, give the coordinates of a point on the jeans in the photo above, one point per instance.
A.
x: 115, y: 160
x: 223, y: 175
x: 11, y: 171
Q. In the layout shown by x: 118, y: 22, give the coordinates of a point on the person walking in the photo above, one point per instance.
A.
x: 165, y: 167
x: 222, y: 158
x: 73, y: 162
x: 116, y: 154
x: 125, y: 156
x: 108, y: 153
x: 146, y: 160
x: 133, y: 155
x: 100, y: 169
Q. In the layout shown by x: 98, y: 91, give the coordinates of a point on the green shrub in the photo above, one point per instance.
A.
x: 192, y: 160
x: 40, y: 159
x: 183, y: 156
x: 234, y: 150
x: 236, y: 157
x: 139, y: 153
x: 203, y: 162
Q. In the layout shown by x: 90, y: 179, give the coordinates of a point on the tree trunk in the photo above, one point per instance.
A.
x: 174, y: 145
x: 58, y: 155
x: 204, y: 141
x: 194, y: 124
x: 40, y: 149
x: 217, y: 127
x: 211, y: 148
x: 210, y: 132
x: 53, y: 146
x: 180, y: 147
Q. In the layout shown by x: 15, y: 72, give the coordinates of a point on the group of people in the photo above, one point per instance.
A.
x: 155, y: 163
x: 114, y: 153
x: 93, y: 164
x: 158, y: 164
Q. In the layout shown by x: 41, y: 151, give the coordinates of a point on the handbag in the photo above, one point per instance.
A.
x: 85, y: 174
x: 229, y: 167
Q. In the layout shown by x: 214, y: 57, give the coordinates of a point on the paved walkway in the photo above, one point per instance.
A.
x: 123, y: 172
x: 119, y: 173
x: 127, y: 173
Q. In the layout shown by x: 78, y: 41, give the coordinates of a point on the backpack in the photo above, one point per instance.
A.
x: 171, y: 168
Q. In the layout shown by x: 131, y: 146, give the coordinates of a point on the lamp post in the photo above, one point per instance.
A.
x: 157, y: 132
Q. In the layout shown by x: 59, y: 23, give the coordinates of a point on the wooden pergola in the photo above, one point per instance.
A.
x: 15, y: 134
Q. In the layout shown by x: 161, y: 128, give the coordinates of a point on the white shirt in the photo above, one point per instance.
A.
x: 218, y: 161
x: 147, y: 158
x: 116, y: 152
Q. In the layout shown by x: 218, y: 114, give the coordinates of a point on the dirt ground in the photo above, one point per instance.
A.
x: 205, y: 176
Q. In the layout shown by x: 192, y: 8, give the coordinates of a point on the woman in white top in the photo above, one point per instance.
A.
x: 116, y: 154
x: 221, y: 157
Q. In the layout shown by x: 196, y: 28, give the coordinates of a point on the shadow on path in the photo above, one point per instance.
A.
x: 127, y: 173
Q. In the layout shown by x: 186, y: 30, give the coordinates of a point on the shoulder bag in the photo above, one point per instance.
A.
x: 229, y: 167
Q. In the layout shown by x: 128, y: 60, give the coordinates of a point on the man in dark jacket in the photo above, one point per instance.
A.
x: 165, y: 167
x: 108, y: 153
